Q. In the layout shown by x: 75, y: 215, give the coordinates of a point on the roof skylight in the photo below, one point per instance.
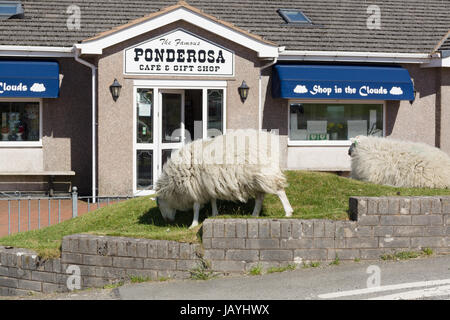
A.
x: 294, y: 16
x: 10, y: 9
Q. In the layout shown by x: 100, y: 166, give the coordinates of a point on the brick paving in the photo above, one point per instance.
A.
x: 29, y: 213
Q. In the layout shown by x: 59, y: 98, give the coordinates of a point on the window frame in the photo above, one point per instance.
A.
x: 206, y: 110
x: 328, y: 143
x: 167, y: 85
x: 283, y: 14
x: 25, y: 144
x: 18, y: 5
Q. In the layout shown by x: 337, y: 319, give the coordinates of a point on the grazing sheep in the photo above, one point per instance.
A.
x: 399, y: 163
x: 237, y: 166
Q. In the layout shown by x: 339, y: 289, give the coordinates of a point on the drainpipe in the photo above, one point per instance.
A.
x: 260, y: 111
x: 94, y: 80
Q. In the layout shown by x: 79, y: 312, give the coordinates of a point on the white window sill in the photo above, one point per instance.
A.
x: 143, y: 193
x: 321, y: 143
x: 22, y: 144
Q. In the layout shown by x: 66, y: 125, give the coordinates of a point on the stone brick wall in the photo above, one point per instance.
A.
x: 377, y: 226
x: 101, y: 260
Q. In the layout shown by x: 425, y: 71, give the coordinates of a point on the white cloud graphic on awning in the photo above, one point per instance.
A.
x: 37, y: 87
x: 396, y: 91
x: 300, y: 89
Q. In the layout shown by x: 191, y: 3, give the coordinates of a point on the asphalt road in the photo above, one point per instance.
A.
x: 427, y: 278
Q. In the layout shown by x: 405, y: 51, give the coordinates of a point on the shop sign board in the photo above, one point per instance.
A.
x: 29, y: 79
x: 342, y: 82
x: 348, y: 90
x: 178, y: 53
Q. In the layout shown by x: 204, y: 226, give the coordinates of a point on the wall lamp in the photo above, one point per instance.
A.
x: 243, y: 91
x: 115, y: 89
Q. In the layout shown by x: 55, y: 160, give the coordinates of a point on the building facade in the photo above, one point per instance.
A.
x: 102, y: 107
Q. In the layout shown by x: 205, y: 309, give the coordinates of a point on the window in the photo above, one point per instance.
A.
x: 215, y: 112
x: 20, y: 121
x: 193, y: 114
x: 171, y: 117
x: 145, y: 116
x: 144, y: 178
x: 294, y: 16
x: 144, y: 137
x: 334, y: 121
x: 10, y: 9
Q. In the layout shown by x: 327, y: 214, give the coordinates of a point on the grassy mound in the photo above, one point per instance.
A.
x: 311, y: 194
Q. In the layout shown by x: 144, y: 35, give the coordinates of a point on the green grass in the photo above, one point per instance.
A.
x: 139, y: 218
x: 406, y: 255
x: 202, y: 271
x: 312, y: 195
x: 336, y: 261
x: 113, y: 285
x: 315, y: 195
x: 282, y: 269
x: 139, y: 279
x: 162, y: 279
x: 256, y: 270
x: 132, y: 279
x: 312, y: 264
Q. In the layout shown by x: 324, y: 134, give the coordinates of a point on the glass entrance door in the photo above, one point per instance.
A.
x: 165, y: 119
x: 159, y: 131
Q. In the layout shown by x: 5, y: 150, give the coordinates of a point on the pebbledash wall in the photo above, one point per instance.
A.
x: 377, y: 226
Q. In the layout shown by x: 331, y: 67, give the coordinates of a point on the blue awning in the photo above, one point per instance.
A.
x: 29, y: 79
x: 342, y: 82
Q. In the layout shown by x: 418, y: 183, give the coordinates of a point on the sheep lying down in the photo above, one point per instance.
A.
x: 236, y: 167
x: 399, y: 163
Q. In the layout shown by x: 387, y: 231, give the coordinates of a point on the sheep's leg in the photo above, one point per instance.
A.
x: 258, y: 204
x: 214, y: 207
x: 285, y: 202
x: 196, y: 214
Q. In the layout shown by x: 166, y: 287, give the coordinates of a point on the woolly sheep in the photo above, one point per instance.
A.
x: 237, y: 166
x: 399, y: 163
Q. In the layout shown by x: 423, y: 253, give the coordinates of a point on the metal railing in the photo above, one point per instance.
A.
x: 27, y: 213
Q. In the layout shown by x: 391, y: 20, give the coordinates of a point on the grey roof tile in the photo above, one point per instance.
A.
x: 414, y: 26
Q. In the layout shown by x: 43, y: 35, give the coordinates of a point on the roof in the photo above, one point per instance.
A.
x: 172, y: 8
x: 407, y: 26
x: 445, y: 43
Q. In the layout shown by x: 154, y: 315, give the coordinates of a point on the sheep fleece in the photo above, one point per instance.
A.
x: 255, y: 169
x: 400, y: 163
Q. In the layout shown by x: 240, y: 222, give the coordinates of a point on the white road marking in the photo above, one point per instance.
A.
x: 408, y: 285
x: 417, y: 294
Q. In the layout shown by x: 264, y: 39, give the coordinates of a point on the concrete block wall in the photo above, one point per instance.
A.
x: 377, y: 226
x: 101, y: 260
x: 22, y: 271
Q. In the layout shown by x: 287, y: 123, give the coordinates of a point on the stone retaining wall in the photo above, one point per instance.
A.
x: 378, y: 226
x: 101, y: 260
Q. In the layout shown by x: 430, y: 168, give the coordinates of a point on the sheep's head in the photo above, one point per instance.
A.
x: 167, y: 212
x: 355, y: 142
x: 352, y: 148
